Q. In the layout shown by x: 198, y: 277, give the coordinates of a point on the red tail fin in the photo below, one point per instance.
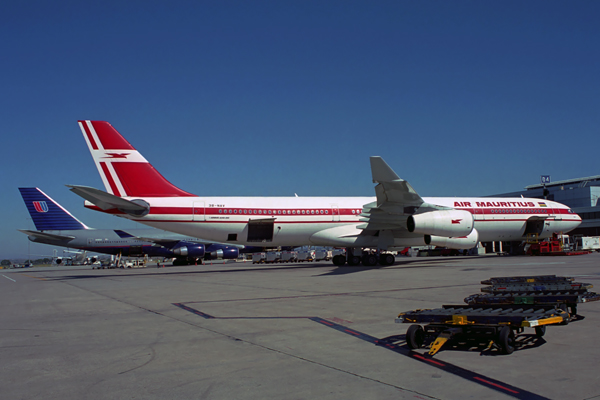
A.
x: 124, y: 171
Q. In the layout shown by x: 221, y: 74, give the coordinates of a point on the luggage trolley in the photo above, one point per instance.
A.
x: 496, y: 323
x: 539, y: 290
x: 564, y: 299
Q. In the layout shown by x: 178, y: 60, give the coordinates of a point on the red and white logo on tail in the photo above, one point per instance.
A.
x: 124, y: 171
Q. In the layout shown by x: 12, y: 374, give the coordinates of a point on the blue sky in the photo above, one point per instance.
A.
x: 281, y: 97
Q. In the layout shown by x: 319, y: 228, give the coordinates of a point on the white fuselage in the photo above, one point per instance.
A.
x: 332, y: 221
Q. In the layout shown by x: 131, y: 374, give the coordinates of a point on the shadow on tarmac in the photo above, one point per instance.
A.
x: 343, y: 270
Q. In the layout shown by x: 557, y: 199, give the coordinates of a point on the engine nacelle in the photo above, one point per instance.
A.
x: 447, y: 223
x: 218, y: 252
x: 190, y: 250
x: 465, y: 242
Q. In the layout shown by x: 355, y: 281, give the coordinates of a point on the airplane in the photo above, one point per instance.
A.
x: 368, y: 227
x: 57, y: 226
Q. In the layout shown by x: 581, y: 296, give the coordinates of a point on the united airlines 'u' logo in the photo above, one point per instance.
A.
x: 40, y: 206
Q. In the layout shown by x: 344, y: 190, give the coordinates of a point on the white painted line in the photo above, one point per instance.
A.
x: 8, y: 278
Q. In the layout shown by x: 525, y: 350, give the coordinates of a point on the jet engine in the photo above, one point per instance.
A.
x: 465, y: 242
x: 447, y: 223
x: 219, y: 252
x: 189, y: 250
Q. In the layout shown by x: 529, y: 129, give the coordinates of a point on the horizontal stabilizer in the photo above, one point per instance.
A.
x: 47, y: 236
x: 106, y: 201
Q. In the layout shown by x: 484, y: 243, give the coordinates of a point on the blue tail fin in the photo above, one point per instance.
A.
x: 47, y: 214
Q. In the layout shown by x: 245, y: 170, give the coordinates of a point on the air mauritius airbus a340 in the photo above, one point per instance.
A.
x: 395, y: 218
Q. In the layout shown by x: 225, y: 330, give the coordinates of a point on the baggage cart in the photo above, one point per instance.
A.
x: 496, y: 324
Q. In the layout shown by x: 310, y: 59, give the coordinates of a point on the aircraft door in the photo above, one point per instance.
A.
x: 136, y: 251
x: 261, y: 230
x: 478, y: 214
x: 198, y: 211
x: 557, y: 214
x: 335, y: 212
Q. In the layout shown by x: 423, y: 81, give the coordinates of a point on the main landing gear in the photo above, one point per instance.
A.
x: 367, y: 258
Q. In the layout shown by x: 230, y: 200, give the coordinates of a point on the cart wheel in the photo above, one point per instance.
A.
x: 540, y: 331
x: 564, y: 307
x: 506, y: 339
x: 415, y: 336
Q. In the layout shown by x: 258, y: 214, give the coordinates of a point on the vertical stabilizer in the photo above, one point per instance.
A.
x: 47, y: 214
x: 124, y: 171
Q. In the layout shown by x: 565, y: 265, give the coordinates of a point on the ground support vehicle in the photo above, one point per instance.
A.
x: 273, y: 257
x: 289, y: 256
x: 495, y: 324
x: 554, y: 247
x: 591, y: 243
x: 259, y: 258
x: 322, y: 254
x: 306, y: 255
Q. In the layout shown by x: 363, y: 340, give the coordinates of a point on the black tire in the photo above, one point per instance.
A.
x: 506, y: 340
x: 353, y: 260
x: 573, y: 310
x: 339, y: 260
x: 369, y: 260
x: 415, y: 336
x: 387, y: 259
x: 540, y: 331
x: 564, y: 308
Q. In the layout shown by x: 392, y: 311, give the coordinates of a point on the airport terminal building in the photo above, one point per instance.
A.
x: 581, y: 194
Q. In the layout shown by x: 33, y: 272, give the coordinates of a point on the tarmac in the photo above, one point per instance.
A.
x: 283, y: 331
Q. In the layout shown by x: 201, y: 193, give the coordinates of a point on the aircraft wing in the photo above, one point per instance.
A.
x: 170, y: 243
x: 390, y: 189
x: 396, y: 200
x: 46, y: 236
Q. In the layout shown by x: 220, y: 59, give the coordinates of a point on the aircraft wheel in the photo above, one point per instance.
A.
x: 353, y: 260
x: 506, y: 340
x: 415, y: 336
x: 369, y: 260
x: 339, y: 260
x: 387, y: 259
